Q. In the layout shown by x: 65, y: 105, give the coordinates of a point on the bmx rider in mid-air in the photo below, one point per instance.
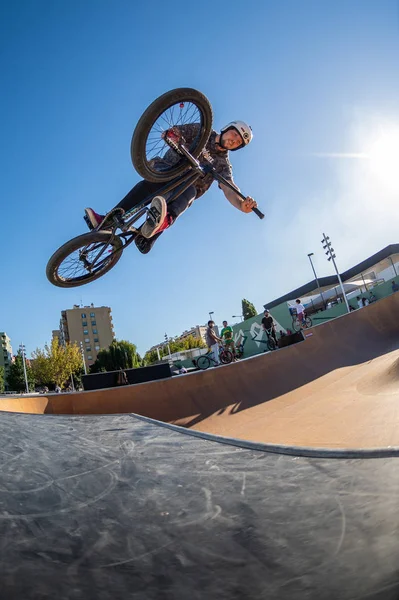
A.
x: 162, y: 215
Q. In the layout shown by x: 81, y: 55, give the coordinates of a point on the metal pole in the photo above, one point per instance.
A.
x: 73, y: 385
x: 22, y: 348
x: 210, y: 315
x: 332, y: 257
x: 317, y: 281
x: 83, y: 357
x: 167, y: 344
x: 361, y: 275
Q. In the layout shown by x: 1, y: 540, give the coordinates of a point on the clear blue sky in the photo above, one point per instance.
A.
x: 314, y: 79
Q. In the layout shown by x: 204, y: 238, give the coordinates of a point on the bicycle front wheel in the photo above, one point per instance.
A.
x: 84, y: 259
x: 203, y: 362
x: 185, y: 108
x: 308, y: 322
x: 226, y: 357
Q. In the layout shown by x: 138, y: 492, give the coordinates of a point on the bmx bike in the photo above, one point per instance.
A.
x: 206, y: 360
x: 160, y: 154
x: 297, y: 324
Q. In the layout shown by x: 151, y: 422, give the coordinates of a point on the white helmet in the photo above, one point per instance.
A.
x: 242, y: 128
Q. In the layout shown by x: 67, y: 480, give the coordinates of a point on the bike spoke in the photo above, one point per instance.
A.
x: 83, y: 263
x: 175, y: 115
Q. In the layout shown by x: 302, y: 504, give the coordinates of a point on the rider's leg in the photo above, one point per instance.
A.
x: 163, y: 214
x: 141, y: 190
x: 215, y: 352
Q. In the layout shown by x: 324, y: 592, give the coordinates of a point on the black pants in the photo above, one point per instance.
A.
x: 145, y: 188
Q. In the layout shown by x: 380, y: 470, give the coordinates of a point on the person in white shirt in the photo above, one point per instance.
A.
x: 300, y: 310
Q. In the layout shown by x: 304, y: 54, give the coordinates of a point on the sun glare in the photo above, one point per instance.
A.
x: 383, y: 154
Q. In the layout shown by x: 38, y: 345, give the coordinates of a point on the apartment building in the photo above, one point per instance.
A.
x: 89, y: 326
x: 5, y: 352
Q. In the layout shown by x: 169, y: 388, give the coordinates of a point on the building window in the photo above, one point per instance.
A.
x: 86, y: 331
x: 92, y: 314
x: 95, y: 331
x: 84, y: 323
x: 87, y: 340
x: 83, y: 315
x: 96, y: 340
x: 88, y: 348
x: 97, y: 348
x: 89, y: 358
x: 93, y: 323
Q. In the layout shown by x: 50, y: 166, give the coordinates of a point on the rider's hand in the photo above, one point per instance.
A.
x: 248, y: 204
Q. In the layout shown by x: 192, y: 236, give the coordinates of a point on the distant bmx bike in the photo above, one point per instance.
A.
x: 206, y: 360
x: 297, y: 324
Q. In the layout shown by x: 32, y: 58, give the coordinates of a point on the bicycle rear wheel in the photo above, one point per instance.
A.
x: 271, y: 344
x: 185, y: 108
x: 308, y: 322
x: 203, y: 362
x: 84, y: 259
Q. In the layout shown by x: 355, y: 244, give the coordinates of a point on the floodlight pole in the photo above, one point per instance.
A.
x: 317, y: 281
x: 331, y: 256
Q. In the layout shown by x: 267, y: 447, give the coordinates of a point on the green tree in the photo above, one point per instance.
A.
x: 16, y: 376
x: 187, y: 343
x: 2, y: 379
x: 248, y: 309
x: 121, y: 354
x: 56, y: 363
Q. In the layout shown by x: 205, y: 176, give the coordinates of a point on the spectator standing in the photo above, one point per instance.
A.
x: 212, y: 341
x: 268, y: 325
x: 372, y: 298
x: 359, y: 301
x: 227, y: 335
x: 300, y: 310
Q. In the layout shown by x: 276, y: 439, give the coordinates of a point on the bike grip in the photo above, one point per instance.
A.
x: 258, y: 213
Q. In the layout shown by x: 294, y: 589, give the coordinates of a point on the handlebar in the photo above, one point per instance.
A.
x: 195, y: 163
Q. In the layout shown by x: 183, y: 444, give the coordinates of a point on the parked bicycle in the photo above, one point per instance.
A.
x: 297, y: 324
x: 206, y: 360
x: 91, y: 255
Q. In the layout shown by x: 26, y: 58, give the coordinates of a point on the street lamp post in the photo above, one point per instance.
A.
x: 22, y: 349
x: 331, y: 256
x: 83, y: 357
x: 210, y: 315
x: 315, y: 276
x: 238, y: 317
x: 167, y: 343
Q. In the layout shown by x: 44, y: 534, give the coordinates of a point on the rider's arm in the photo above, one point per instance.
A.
x: 231, y: 196
x: 245, y: 206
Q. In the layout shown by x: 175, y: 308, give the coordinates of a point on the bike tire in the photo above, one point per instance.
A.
x: 271, y: 344
x: 99, y: 237
x: 226, y: 357
x: 308, y: 322
x: 203, y: 362
x: 146, y: 122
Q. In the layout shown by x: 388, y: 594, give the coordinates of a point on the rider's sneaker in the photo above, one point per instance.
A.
x: 157, y: 219
x: 92, y: 218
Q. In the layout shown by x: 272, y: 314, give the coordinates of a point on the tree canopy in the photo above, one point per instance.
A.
x: 248, y: 309
x: 187, y: 343
x: 56, y: 363
x: 120, y: 354
x: 16, y: 375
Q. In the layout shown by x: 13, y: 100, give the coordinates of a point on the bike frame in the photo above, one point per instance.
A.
x: 196, y: 169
